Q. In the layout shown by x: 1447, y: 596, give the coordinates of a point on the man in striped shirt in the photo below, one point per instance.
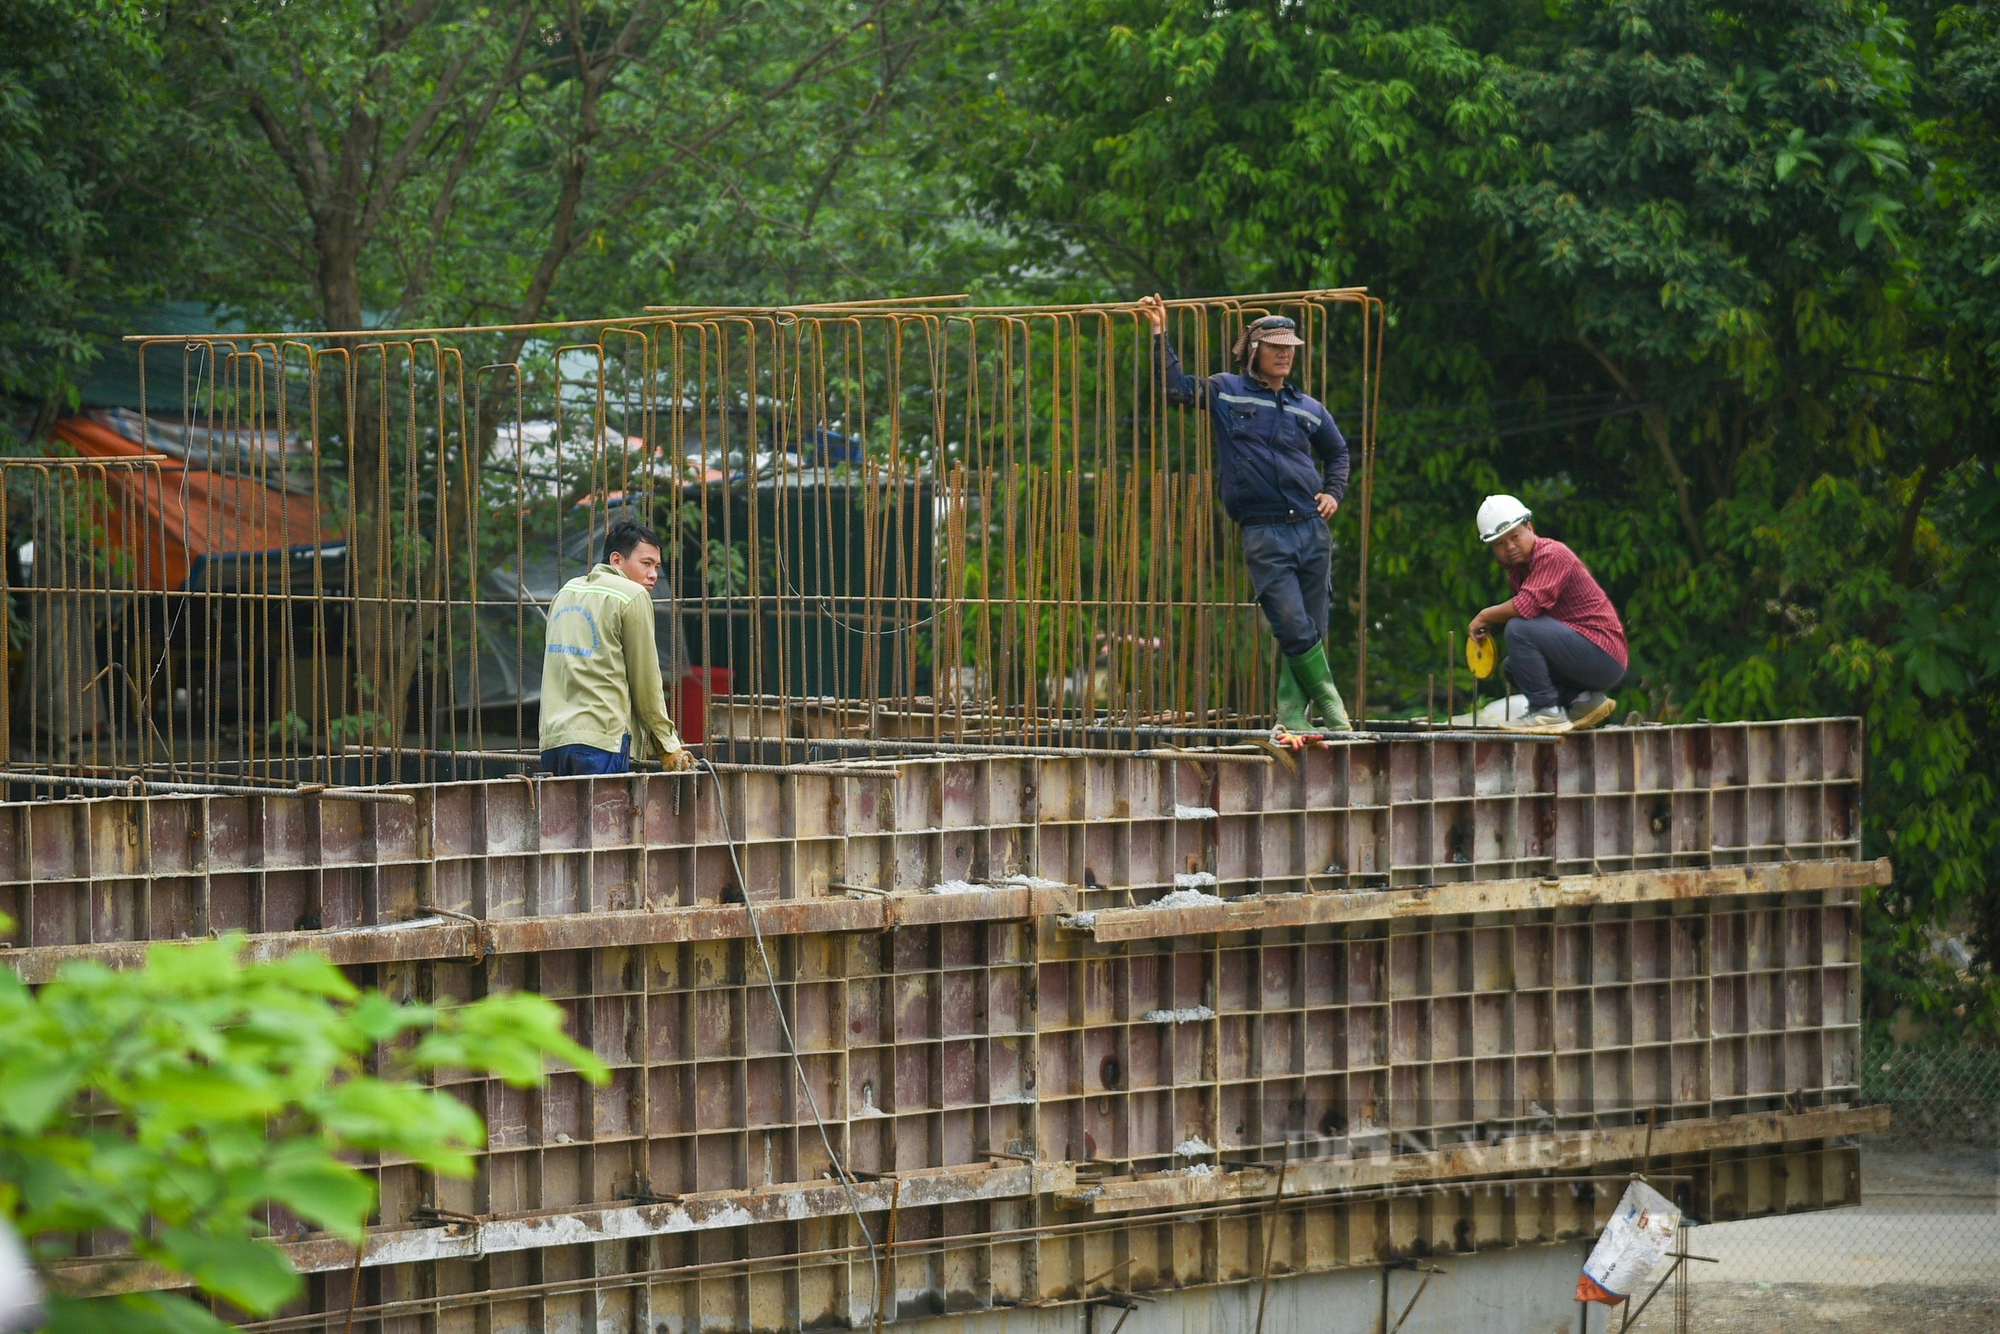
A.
x: 1565, y: 644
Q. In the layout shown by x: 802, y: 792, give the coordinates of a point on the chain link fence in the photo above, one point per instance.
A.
x: 1922, y: 1252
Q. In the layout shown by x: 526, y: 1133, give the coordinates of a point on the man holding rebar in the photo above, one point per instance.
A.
x: 1281, y: 466
x: 601, y: 684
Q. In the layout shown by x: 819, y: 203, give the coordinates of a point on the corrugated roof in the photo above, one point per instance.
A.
x: 176, y: 514
x: 114, y: 381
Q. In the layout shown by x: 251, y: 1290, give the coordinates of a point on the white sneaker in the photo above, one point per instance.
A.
x: 1549, y: 721
x: 1590, y: 708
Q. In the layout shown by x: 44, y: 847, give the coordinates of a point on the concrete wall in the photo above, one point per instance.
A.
x: 1525, y: 1291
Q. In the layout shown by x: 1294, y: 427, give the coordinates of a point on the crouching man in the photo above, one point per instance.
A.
x: 1565, y: 643
x: 601, y: 685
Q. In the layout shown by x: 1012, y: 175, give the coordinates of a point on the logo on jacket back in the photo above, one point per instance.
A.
x: 565, y: 635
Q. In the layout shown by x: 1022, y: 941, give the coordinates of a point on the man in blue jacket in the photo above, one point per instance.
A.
x: 1281, y: 464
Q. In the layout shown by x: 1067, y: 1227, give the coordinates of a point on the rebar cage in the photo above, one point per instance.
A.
x: 327, y: 557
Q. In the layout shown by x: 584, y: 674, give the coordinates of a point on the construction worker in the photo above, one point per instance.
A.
x: 1565, y: 643
x: 601, y: 674
x: 1281, y: 466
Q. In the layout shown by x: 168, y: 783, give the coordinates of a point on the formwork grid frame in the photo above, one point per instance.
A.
x: 1125, y: 831
x: 970, y: 1262
x: 1411, y: 1028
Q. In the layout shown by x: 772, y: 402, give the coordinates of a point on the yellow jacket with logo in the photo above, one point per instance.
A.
x: 601, y: 671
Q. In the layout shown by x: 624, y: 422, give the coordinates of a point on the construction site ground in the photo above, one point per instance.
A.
x: 1923, y: 1254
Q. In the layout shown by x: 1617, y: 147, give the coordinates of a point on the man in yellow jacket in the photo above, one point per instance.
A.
x: 601, y: 685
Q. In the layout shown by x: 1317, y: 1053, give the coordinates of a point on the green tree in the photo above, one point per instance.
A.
x: 76, y: 84
x: 1708, y: 287
x: 418, y: 161
x: 174, y: 1104
x: 1935, y: 692
x: 1742, y: 224
x: 1202, y: 148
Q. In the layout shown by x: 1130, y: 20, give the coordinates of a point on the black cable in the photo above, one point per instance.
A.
x: 785, y: 1024
x: 1493, y: 433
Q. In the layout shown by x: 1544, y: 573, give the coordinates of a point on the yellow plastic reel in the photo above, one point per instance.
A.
x: 1481, y: 656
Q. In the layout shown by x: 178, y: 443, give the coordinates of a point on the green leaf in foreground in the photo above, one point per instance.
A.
x: 217, y: 1087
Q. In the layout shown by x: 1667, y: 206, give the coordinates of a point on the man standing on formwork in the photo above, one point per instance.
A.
x: 1565, y: 643
x: 601, y: 683
x: 1281, y: 466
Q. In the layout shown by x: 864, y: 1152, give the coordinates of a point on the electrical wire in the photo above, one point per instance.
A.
x: 1528, y: 428
x: 785, y: 1025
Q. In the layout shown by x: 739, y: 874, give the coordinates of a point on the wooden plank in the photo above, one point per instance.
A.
x: 457, y: 938
x: 1262, y: 912
x: 472, y: 1238
x: 1568, y: 1152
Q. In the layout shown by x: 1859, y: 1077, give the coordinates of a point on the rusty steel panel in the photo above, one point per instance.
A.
x: 1163, y: 1076
x: 932, y: 1047
x: 1437, y: 956
x: 816, y: 1272
x: 1400, y: 811
x: 1694, y: 1152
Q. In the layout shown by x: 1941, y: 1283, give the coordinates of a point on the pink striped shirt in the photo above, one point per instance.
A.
x: 1558, y: 585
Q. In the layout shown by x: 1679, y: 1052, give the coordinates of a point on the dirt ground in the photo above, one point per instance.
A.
x: 1885, y: 1308
x: 1922, y: 1253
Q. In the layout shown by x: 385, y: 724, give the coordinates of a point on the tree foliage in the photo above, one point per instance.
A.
x: 409, y: 162
x: 1229, y: 148
x: 175, y: 1104
x: 74, y: 81
x: 1710, y: 287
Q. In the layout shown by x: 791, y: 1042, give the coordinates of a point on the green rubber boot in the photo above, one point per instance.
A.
x: 1292, y: 716
x: 1315, y: 677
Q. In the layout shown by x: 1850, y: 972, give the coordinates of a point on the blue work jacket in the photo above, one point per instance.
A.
x: 1273, y: 451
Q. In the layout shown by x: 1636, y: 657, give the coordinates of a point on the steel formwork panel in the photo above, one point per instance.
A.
x: 961, y: 1258
x: 1391, y: 949
x: 1405, y: 811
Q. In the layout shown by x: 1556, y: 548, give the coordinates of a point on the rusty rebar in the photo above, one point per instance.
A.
x: 326, y: 557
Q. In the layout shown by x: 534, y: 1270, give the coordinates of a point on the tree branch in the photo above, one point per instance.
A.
x: 1942, y: 458
x: 1654, y: 418
x: 294, y: 161
x: 692, y: 146
x: 896, y: 59
x: 312, y: 145
x: 469, y: 135
x: 389, y: 178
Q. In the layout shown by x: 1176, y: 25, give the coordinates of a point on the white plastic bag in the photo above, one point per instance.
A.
x: 20, y: 1291
x: 1639, y: 1234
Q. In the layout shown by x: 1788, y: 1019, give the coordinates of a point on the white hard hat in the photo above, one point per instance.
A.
x: 1497, y: 514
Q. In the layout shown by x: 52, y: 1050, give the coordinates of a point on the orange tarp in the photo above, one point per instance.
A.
x: 168, y: 515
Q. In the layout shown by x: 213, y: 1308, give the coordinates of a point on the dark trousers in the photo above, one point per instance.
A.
x: 1552, y: 664
x: 580, y: 761
x: 1291, y: 572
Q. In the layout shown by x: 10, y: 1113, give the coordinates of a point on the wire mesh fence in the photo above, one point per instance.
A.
x: 1941, y: 1095
x: 1923, y: 1249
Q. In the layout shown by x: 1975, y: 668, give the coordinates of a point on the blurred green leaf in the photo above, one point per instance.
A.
x: 216, y: 1087
x: 322, y: 1190
x: 139, y: 1313
x: 252, y: 1274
